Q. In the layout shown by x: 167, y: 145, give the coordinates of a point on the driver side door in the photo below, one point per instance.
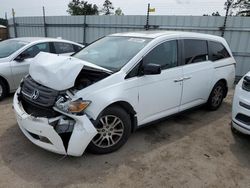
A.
x: 20, y: 68
x: 160, y: 95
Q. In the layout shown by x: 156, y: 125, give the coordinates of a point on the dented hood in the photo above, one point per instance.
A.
x: 57, y: 72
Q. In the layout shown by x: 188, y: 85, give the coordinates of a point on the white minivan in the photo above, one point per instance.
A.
x: 96, y: 98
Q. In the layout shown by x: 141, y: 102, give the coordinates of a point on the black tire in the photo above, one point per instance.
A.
x: 3, y: 89
x: 216, y: 96
x: 101, y: 143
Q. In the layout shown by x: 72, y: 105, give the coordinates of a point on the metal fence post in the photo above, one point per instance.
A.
x: 84, y: 29
x: 147, y: 22
x: 14, y: 23
x: 7, y: 25
x: 44, y: 23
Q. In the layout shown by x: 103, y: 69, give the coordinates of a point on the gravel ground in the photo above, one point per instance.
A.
x: 194, y: 149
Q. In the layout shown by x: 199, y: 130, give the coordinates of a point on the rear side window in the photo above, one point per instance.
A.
x: 195, y: 51
x: 63, y: 48
x: 77, y: 48
x: 217, y: 51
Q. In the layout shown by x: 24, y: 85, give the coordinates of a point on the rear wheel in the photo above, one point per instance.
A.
x: 114, y: 128
x: 216, y: 96
x: 3, y: 89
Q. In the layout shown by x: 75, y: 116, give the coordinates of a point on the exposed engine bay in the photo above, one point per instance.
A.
x: 89, y: 76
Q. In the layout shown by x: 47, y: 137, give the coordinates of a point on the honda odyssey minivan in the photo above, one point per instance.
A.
x: 117, y: 84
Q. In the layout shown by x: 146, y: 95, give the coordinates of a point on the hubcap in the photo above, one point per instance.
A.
x: 1, y: 90
x: 110, y: 130
x: 217, y: 96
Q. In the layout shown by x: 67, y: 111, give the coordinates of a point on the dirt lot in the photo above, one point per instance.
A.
x: 195, y: 149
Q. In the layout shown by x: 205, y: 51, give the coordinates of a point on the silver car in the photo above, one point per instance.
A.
x: 16, y: 55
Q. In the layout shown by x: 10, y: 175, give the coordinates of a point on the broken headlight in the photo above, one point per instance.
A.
x: 73, y: 107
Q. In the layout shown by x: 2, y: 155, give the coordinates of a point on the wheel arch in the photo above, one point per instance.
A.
x: 223, y: 80
x: 129, y: 109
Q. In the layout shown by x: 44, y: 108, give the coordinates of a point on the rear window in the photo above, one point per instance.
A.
x: 217, y: 51
x: 63, y: 48
x: 195, y: 51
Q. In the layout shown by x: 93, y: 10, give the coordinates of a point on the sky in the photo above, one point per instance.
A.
x: 129, y: 7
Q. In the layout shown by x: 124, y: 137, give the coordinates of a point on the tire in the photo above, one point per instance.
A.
x: 3, y: 90
x: 114, y: 128
x: 216, y: 96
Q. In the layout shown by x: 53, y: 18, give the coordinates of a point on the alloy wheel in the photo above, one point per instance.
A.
x: 217, y: 96
x: 110, y: 130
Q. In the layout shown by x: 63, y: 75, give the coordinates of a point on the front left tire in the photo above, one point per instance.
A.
x: 114, y: 128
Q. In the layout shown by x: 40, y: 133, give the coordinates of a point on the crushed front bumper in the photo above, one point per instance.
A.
x: 41, y: 133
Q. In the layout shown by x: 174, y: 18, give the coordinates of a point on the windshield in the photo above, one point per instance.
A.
x: 8, y: 47
x: 112, y: 52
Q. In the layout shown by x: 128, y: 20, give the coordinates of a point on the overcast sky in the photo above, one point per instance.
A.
x: 129, y: 7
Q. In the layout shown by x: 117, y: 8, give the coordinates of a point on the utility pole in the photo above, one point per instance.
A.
x: 14, y: 22
x: 44, y: 23
x: 229, y: 3
x: 147, y: 22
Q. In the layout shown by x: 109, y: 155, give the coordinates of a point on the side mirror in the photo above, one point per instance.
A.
x: 21, y: 57
x: 151, y: 69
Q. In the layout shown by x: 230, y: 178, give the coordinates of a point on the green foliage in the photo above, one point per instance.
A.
x: 3, y: 22
x: 107, y: 7
x: 77, y: 7
x: 213, y: 14
x: 119, y: 12
x: 242, y: 7
x: 216, y: 13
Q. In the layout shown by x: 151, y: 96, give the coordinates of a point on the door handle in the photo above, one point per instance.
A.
x: 178, y: 80
x: 187, y: 78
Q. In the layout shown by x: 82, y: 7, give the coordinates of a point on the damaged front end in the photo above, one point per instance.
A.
x: 54, y: 119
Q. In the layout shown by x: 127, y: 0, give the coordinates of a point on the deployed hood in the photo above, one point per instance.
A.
x: 58, y: 72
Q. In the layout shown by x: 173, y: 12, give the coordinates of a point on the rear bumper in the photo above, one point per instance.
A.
x: 46, y: 137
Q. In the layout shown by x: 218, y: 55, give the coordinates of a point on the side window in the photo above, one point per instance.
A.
x: 165, y: 55
x: 77, y: 48
x: 34, y: 50
x: 217, y: 51
x: 63, y: 48
x: 195, y: 51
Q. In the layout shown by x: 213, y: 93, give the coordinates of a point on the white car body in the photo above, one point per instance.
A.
x: 241, y: 107
x: 147, y: 98
x: 12, y: 71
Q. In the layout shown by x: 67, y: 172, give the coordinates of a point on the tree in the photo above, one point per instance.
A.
x: 228, y: 6
x: 119, y: 12
x: 3, y: 22
x: 216, y: 13
x: 213, y: 14
x: 107, y: 7
x: 77, y: 7
x: 243, y: 7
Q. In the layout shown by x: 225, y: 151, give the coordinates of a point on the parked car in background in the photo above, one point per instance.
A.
x: 16, y: 55
x: 99, y: 96
x: 241, y: 106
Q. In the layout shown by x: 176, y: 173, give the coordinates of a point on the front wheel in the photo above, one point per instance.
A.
x: 3, y: 90
x: 216, y: 96
x: 114, y: 128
